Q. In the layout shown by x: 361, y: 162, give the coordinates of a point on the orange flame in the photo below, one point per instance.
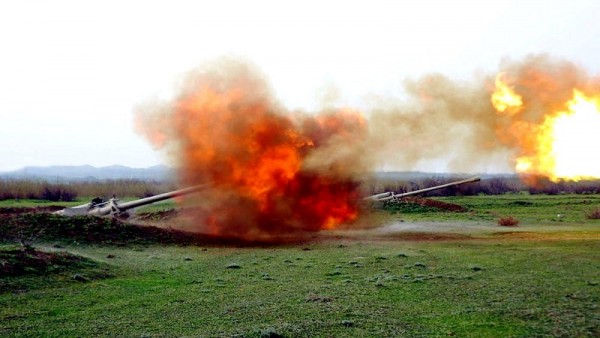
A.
x: 560, y: 145
x: 271, y: 172
x: 504, y: 98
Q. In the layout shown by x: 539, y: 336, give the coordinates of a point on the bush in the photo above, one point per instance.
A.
x: 508, y: 221
x: 593, y: 214
x: 57, y: 193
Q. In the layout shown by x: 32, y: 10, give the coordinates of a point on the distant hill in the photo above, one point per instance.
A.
x: 90, y: 173
x: 164, y: 173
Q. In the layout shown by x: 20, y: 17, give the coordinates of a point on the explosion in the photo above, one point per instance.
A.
x: 560, y: 145
x: 504, y: 99
x: 271, y: 172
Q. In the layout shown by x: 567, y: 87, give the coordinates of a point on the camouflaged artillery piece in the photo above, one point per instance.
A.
x: 392, y: 197
x: 113, y: 207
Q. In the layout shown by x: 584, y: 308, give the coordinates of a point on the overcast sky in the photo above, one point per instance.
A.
x: 72, y: 71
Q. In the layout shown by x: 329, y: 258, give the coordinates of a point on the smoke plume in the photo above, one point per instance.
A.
x: 453, y: 126
x: 270, y: 171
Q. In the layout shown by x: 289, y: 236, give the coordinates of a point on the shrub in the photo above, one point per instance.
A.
x: 58, y: 193
x: 508, y: 221
x: 593, y: 214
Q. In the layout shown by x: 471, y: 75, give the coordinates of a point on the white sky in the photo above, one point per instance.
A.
x: 71, y: 71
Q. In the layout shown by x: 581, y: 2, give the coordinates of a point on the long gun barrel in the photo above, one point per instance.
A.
x: 113, y: 207
x: 160, y: 197
x: 387, y: 196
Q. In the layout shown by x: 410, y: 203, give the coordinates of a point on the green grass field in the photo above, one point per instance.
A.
x: 420, y: 272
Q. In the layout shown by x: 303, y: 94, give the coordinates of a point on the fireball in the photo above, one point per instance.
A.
x: 561, y: 145
x: 270, y: 172
x: 504, y: 98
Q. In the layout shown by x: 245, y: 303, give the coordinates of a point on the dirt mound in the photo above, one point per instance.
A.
x: 31, y: 227
x: 85, y: 229
x: 27, y: 260
x: 22, y: 210
x: 425, y: 202
x: 162, y: 215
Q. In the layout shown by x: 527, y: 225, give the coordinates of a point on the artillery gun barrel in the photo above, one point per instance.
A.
x: 160, y: 197
x: 113, y: 207
x: 376, y: 197
x: 390, y: 196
